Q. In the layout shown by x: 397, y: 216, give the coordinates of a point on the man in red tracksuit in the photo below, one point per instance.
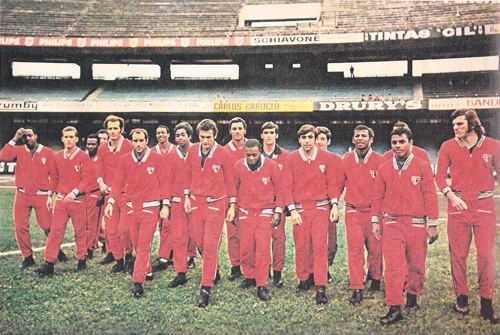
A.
x: 209, y: 190
x: 141, y: 167
x: 93, y: 198
x: 260, y: 204
x: 308, y: 191
x: 72, y: 181
x: 270, y: 149
x: 34, y: 180
x: 323, y: 138
x: 470, y: 159
x: 357, y: 174
x: 404, y: 200
x: 117, y: 236
x: 165, y: 249
x: 237, y: 130
x: 417, y: 151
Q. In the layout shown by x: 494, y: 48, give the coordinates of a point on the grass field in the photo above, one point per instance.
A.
x: 96, y: 302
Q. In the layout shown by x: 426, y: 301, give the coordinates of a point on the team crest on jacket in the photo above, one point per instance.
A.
x: 44, y: 160
x: 486, y: 157
x: 151, y: 170
x: 322, y: 168
x: 280, y: 166
x: 265, y: 180
x: 215, y: 168
x: 373, y: 173
x: 77, y: 168
x: 415, y: 180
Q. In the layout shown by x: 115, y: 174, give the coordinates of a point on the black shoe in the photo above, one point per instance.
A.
x: 321, y: 298
x: 27, y: 262
x: 248, y: 282
x: 217, y: 277
x: 47, y: 269
x: 149, y: 277
x: 138, y: 290
x: 277, y: 279
x: 462, y: 305
x: 108, y: 259
x: 411, y: 301
x: 394, y: 315
x: 304, y: 285
x: 90, y: 254
x: 263, y: 293
x: 357, y: 297
x: 235, y: 273
x: 129, y: 264
x: 191, y: 263
x: 61, y: 257
x: 179, y: 280
x: 118, y: 267
x: 82, y: 265
x: 329, y: 277
x: 487, y: 312
x: 203, y: 298
x: 374, y: 286
x: 161, y: 264
x: 311, y: 280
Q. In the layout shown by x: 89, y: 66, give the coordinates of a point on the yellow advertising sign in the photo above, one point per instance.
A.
x: 259, y: 107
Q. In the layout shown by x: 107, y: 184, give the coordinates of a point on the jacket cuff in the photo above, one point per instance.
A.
x: 432, y: 223
x: 375, y: 219
x: 278, y: 209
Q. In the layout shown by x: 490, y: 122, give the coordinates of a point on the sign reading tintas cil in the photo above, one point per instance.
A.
x: 325, y: 106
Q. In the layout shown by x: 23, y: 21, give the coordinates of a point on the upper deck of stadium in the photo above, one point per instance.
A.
x: 176, y: 18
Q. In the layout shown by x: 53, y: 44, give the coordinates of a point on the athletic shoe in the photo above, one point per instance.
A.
x: 248, y: 282
x: 161, y: 264
x: 138, y: 290
x: 118, y: 267
x: 374, y: 286
x: 27, y: 262
x: 190, y: 263
x: 304, y: 285
x: 129, y: 264
x: 277, y: 279
x: 82, y: 265
x: 321, y: 298
x: 203, y: 298
x: 61, y: 257
x: 179, y: 280
x: 357, y: 297
x: 149, y: 277
x: 394, y: 315
x: 411, y: 301
x: 217, y: 277
x: 462, y: 305
x: 90, y: 253
x: 263, y: 293
x: 108, y: 259
x: 47, y: 269
x: 487, y: 312
x: 235, y: 273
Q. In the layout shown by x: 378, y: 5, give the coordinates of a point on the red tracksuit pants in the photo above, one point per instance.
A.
x: 479, y: 220
x: 358, y: 226
x: 255, y: 237
x: 142, y: 226
x: 93, y: 220
x: 208, y: 220
x: 404, y: 247
x: 278, y: 245
x: 62, y: 213
x: 312, y: 234
x: 117, y: 233
x: 23, y: 204
x: 165, y: 248
x: 233, y: 242
x: 179, y: 233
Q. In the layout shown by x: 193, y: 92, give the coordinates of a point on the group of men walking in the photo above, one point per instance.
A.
x: 191, y: 190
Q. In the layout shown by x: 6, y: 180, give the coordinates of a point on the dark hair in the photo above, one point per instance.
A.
x: 371, y: 134
x: 94, y: 136
x: 473, y: 122
x: 306, y: 129
x: 113, y: 118
x: 400, y: 124
x: 139, y: 130
x: 401, y: 131
x: 102, y: 131
x: 166, y: 128
x: 252, y: 143
x: 186, y: 126
x: 32, y: 129
x: 270, y: 125
x: 206, y: 125
x: 323, y: 130
x: 236, y: 120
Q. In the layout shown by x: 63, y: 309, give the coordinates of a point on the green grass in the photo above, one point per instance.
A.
x: 96, y: 302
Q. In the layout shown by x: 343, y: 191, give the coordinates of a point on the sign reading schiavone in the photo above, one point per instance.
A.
x: 325, y: 106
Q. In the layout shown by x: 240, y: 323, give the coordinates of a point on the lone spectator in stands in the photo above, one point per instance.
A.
x: 389, y: 97
x: 370, y: 98
x: 352, y: 71
x: 377, y: 98
x: 362, y: 97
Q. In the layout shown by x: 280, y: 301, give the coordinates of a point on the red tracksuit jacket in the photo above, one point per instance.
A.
x: 108, y: 158
x: 177, y: 174
x: 73, y: 172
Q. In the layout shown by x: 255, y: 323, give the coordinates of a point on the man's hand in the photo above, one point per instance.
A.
x: 296, y: 218
x: 231, y: 214
x: 105, y: 189
x: 187, y: 205
x: 69, y: 198
x: 432, y: 234
x: 456, y: 202
x: 276, y: 220
x: 108, y: 211
x: 376, y: 231
x: 164, y: 212
x: 19, y: 134
x: 49, y: 203
x: 334, y: 213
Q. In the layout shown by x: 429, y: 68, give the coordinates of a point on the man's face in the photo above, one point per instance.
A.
x: 252, y: 155
x: 139, y: 142
x: 103, y: 137
x: 161, y: 135
x: 322, y: 142
x: 401, y: 146
x: 237, y: 131
x: 306, y: 141
x: 114, y: 130
x: 69, y: 139
x: 181, y: 138
x: 29, y: 138
x: 461, y: 126
x: 269, y: 136
x: 207, y: 139
x: 361, y: 139
x: 92, y: 145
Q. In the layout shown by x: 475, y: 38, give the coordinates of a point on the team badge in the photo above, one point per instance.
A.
x: 77, y: 168
x: 44, y: 160
x: 486, y: 157
x: 216, y: 168
x: 373, y: 173
x: 415, y: 180
x: 322, y: 168
x: 265, y: 180
x: 151, y: 170
x: 280, y: 166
